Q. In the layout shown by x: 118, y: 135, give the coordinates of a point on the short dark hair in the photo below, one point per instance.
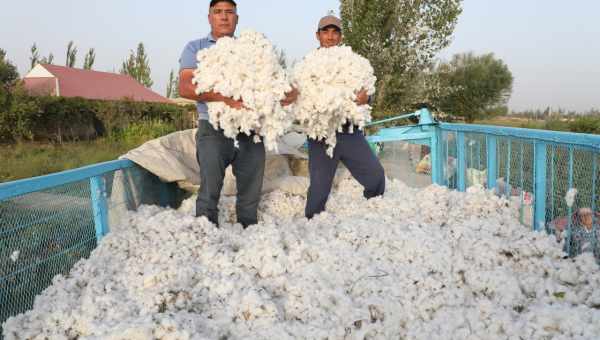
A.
x: 214, y: 2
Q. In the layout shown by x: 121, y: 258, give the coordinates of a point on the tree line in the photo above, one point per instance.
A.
x: 402, y: 43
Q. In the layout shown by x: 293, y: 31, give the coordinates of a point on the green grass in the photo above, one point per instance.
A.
x: 30, y: 159
x: 513, y: 122
x: 580, y: 124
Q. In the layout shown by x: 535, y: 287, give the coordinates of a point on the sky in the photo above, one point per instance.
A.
x: 552, y: 47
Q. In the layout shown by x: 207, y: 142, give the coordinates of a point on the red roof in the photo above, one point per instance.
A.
x: 73, y: 82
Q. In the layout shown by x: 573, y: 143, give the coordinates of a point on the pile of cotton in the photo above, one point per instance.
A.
x: 328, y: 80
x: 415, y: 264
x: 245, y: 68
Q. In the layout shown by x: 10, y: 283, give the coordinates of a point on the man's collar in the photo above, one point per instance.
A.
x: 211, y: 38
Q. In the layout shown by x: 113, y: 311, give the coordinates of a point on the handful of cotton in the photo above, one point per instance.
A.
x: 245, y: 68
x: 328, y: 80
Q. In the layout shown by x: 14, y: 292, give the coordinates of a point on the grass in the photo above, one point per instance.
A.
x: 514, y: 122
x: 581, y: 124
x: 30, y: 159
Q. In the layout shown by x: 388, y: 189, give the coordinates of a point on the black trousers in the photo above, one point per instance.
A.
x: 354, y: 152
x: 215, y: 153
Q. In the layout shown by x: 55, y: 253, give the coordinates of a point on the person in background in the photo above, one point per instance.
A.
x: 584, y: 233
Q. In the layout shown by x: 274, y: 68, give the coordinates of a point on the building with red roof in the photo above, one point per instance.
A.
x: 54, y: 80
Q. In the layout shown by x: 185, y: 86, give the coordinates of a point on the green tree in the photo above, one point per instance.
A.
x: 400, y: 39
x: 36, y: 59
x: 173, y: 85
x: 8, y: 78
x: 35, y: 55
x: 8, y: 71
x: 281, y: 57
x: 482, y: 83
x: 71, y: 54
x: 90, y: 57
x: 47, y: 60
x: 586, y: 124
x: 137, y: 66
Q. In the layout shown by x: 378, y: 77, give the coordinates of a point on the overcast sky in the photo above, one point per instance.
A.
x: 552, y: 47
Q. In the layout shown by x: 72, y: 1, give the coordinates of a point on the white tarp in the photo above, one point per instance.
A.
x: 173, y: 159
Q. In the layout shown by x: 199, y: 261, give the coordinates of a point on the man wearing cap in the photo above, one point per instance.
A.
x: 215, y: 152
x: 351, y: 148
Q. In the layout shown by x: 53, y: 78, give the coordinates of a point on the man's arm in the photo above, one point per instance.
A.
x: 188, y: 90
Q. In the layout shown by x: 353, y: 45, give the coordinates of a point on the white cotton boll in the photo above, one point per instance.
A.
x: 570, y: 197
x: 568, y: 274
x: 328, y: 80
x: 245, y: 68
x: 15, y: 255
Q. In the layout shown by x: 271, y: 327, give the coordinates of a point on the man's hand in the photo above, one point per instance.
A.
x: 290, y: 97
x: 362, y: 98
x: 188, y: 90
x: 234, y: 104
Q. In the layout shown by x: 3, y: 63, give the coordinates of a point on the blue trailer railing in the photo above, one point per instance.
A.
x: 534, y: 169
x: 49, y: 223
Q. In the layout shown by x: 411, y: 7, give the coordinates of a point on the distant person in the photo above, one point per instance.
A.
x: 584, y: 233
x: 215, y: 152
x: 351, y: 149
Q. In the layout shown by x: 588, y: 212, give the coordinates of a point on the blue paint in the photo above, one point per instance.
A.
x: 387, y: 120
x: 586, y: 141
x: 99, y: 206
x: 479, y: 155
x: 43, y: 261
x: 445, y: 164
x: 461, y: 161
x: 594, y: 218
x: 492, y: 159
x: 470, y: 147
x: 425, y: 117
x: 398, y: 137
x: 539, y: 164
x: 436, y: 158
x: 508, y: 158
x: 552, y: 180
x: 17, y: 188
x: 27, y: 225
x: 594, y: 194
x: 570, y: 208
x: 522, y: 187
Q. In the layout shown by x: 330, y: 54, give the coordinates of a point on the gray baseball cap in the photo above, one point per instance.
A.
x: 329, y: 20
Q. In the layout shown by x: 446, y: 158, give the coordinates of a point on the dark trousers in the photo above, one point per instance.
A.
x: 215, y: 153
x: 354, y: 152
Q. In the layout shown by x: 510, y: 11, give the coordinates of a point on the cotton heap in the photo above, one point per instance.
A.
x: 328, y: 80
x: 414, y: 264
x: 245, y: 68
